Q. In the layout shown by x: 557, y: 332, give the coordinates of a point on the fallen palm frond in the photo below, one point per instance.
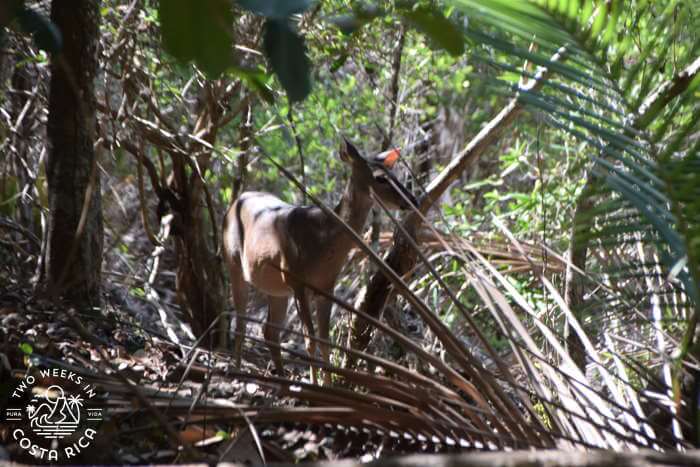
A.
x: 500, y: 253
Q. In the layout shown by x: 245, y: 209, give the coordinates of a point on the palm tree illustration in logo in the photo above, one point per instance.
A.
x: 52, y: 415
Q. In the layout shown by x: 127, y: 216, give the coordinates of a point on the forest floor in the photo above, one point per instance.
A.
x: 150, y: 385
x: 160, y: 393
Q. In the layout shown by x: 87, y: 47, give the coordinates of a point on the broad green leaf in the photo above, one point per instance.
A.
x: 177, y: 29
x: 215, y: 27
x: 198, y: 30
x: 276, y: 9
x: 347, y: 23
x: 586, y: 12
x: 573, y: 9
x: 441, y: 31
x: 46, y: 35
x: 351, y: 22
x: 611, y: 27
x: 286, y: 52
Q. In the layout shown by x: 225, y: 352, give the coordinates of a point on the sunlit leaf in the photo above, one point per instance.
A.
x: 339, y: 62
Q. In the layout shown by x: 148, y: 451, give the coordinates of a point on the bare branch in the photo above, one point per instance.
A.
x: 666, y: 93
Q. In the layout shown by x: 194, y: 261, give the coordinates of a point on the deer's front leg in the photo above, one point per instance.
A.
x: 275, y: 319
x: 323, y: 312
x: 302, y: 299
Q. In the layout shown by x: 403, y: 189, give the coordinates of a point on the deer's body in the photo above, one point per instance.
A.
x: 287, y: 237
x: 285, y: 250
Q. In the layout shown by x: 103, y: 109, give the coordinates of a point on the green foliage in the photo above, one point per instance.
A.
x: 623, y: 86
x: 348, y: 24
x: 441, y: 31
x: 45, y: 34
x: 255, y: 79
x: 276, y: 9
x: 361, y: 15
x: 623, y: 159
x: 426, y: 18
x: 201, y: 32
x: 26, y: 348
x: 198, y: 31
x: 286, y: 52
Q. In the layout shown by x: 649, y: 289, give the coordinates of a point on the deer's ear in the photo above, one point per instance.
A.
x: 343, y: 151
x: 388, y: 158
x: 348, y: 152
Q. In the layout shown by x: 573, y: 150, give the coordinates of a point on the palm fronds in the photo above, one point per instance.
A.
x: 636, y: 113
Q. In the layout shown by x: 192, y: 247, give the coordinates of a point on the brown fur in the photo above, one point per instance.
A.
x: 264, y: 237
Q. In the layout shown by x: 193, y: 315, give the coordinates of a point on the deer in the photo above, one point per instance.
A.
x: 287, y: 251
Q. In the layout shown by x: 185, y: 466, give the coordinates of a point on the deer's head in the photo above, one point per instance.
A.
x: 376, y: 173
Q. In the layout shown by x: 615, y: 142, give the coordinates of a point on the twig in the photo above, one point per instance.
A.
x: 170, y: 433
x: 142, y: 201
x: 11, y: 225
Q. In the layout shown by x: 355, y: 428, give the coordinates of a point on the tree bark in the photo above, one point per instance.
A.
x: 199, y: 279
x: 200, y: 286
x: 74, y: 248
x: 574, y: 283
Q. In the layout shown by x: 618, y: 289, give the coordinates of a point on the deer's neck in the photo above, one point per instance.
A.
x: 353, y: 208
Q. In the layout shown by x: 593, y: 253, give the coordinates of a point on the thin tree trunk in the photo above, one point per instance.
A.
x: 376, y: 223
x: 199, y: 279
x: 200, y: 284
x: 394, y: 87
x: 574, y: 287
x: 74, y: 249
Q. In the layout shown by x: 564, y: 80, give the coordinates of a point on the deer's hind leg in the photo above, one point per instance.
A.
x: 302, y: 298
x: 323, y: 316
x: 239, y: 294
x: 277, y: 311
